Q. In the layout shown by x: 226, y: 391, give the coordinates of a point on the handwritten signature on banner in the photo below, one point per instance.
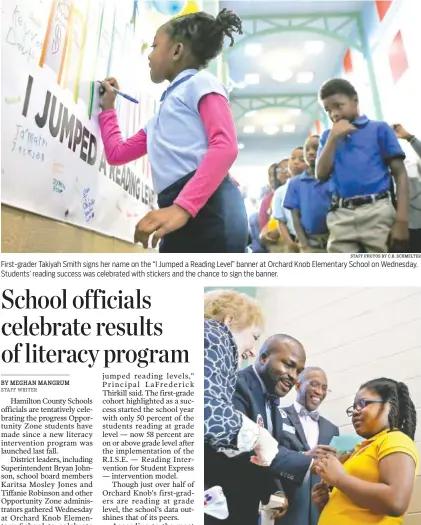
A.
x: 61, y: 18
x: 88, y: 205
x: 28, y: 143
x: 58, y: 186
x: 23, y: 35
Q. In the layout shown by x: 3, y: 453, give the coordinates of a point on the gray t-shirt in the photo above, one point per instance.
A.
x: 416, y: 144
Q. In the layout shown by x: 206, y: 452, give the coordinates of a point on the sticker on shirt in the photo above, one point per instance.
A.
x: 288, y: 428
x: 283, y: 414
x: 260, y: 421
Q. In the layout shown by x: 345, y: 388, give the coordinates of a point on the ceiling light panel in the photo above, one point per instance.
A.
x: 305, y: 77
x: 252, y: 79
x: 253, y: 50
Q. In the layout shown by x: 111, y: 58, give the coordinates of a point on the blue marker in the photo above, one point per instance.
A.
x: 128, y: 97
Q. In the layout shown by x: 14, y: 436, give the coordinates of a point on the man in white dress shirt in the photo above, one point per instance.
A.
x: 304, y: 429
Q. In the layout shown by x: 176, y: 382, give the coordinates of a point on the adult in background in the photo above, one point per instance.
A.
x: 374, y: 486
x: 305, y: 431
x: 414, y: 181
x: 233, y: 323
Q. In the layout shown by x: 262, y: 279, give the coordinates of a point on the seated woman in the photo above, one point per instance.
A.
x: 375, y: 484
x: 233, y: 323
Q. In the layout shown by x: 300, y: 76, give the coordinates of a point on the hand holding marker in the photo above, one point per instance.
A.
x: 108, y: 90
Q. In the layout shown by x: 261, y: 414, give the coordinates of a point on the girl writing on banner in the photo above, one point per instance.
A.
x: 191, y: 142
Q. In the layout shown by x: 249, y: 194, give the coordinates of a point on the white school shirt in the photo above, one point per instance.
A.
x: 279, y: 212
x: 310, y: 427
x: 176, y: 137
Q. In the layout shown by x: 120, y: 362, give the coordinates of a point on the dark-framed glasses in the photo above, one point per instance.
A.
x: 361, y: 404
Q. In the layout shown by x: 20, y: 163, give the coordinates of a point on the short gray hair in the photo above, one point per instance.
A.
x: 307, y: 370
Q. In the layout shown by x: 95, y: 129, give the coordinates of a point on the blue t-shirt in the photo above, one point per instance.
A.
x: 360, y: 164
x: 312, y: 199
x: 176, y: 137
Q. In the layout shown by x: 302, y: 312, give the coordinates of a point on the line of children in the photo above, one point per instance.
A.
x: 191, y: 142
x: 283, y: 216
x: 287, y: 231
x: 265, y: 207
x: 344, y: 202
x: 270, y: 236
x: 309, y: 201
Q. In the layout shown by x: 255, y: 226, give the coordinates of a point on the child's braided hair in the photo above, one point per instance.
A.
x: 403, y: 415
x: 204, y: 34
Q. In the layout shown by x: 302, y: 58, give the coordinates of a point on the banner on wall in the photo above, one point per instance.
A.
x: 52, y: 155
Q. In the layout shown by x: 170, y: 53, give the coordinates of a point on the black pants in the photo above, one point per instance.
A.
x: 221, y: 226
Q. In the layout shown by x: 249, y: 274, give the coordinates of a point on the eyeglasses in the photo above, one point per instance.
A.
x: 361, y: 404
x: 317, y: 385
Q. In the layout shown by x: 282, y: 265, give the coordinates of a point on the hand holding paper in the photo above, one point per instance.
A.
x: 345, y: 443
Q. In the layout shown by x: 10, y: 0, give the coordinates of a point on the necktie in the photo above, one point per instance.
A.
x: 314, y: 414
x: 272, y: 399
x: 173, y: 86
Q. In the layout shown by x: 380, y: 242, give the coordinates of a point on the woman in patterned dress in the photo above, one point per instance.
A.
x: 233, y: 323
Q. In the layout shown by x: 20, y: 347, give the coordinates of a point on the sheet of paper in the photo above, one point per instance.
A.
x: 345, y: 443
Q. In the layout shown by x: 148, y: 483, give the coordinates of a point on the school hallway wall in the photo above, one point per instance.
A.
x: 25, y: 232
x: 354, y: 334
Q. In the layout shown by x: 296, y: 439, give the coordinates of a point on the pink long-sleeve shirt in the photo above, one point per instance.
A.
x: 217, y: 120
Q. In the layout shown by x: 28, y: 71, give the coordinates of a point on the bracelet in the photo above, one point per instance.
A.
x: 410, y: 138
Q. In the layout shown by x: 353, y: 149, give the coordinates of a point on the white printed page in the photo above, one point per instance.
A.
x: 100, y: 403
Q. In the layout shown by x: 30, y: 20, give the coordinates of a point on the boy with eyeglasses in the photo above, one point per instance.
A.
x: 307, y: 432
